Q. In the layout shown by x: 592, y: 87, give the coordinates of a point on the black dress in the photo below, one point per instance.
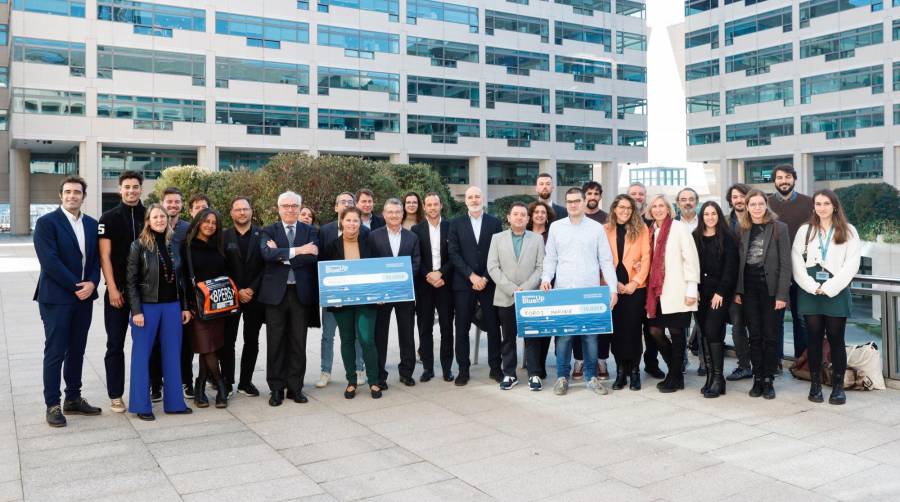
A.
x: 206, y: 262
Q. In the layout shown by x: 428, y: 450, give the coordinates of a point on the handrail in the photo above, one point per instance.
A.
x: 879, y: 280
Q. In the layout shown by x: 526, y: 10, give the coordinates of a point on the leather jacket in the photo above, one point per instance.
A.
x: 143, y: 278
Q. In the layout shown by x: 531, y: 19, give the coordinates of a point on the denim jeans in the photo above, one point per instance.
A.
x: 329, y: 327
x: 564, y: 355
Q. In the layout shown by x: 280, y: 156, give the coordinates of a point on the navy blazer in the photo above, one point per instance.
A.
x: 60, y: 258
x: 423, y: 232
x: 380, y: 246
x: 274, y: 283
x: 329, y: 233
x: 467, y: 255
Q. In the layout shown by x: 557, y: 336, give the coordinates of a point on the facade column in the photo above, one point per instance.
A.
x: 803, y: 164
x: 730, y: 172
x: 90, y: 169
x: 20, y: 191
x: 208, y: 157
x: 399, y: 158
x: 478, y: 175
x: 889, y: 165
x: 609, y: 179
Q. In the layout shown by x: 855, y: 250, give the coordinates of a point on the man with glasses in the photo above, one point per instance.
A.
x: 687, y: 208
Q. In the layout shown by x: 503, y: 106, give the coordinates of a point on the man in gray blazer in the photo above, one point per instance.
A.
x: 515, y: 262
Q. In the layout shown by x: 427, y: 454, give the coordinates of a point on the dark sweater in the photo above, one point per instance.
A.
x: 794, y: 211
x: 718, y: 268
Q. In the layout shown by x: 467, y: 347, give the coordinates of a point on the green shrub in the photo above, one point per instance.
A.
x: 873, y: 208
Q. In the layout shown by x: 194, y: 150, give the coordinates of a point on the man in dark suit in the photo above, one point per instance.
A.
x: 66, y: 245
x: 468, y: 246
x: 387, y: 241
x: 543, y: 188
x: 433, y: 288
x: 290, y: 250
x: 365, y: 201
x: 245, y: 267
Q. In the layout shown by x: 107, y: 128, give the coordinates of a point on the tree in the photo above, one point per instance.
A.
x: 500, y: 207
x: 873, y: 208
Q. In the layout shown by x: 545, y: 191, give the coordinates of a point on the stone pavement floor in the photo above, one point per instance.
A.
x: 434, y: 441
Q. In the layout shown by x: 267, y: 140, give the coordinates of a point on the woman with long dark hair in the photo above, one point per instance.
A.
x: 825, y: 257
x: 629, y: 239
x: 718, y: 251
x: 540, y: 215
x: 413, y: 210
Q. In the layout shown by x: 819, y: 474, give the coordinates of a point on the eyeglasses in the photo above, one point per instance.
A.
x: 348, y: 203
x: 574, y: 201
x: 289, y: 207
x: 242, y: 210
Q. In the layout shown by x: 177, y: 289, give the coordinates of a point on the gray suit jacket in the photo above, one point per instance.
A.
x: 510, y: 273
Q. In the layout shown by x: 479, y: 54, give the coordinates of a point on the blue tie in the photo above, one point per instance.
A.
x: 290, y: 236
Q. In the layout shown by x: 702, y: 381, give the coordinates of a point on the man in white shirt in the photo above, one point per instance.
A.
x: 687, y: 207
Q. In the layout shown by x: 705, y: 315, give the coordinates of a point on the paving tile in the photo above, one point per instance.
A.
x: 102, y: 485
x: 288, y: 488
x: 660, y: 466
x: 310, y: 429
x: 11, y: 491
x: 362, y: 463
x: 608, y: 491
x: 38, y: 459
x: 696, y: 485
x: 76, y: 470
x: 191, y: 430
x: 506, y: 465
x: 54, y: 441
x: 383, y: 482
x: 855, y: 438
x: 776, y: 491
x: 208, y: 444
x: 441, y: 491
x: 714, y: 436
x: 759, y: 453
x: 552, y: 482
x: 200, y: 459
x: 801, y: 425
x: 235, y: 475
x: 472, y: 449
x: 875, y: 484
x: 317, y: 452
x: 816, y: 468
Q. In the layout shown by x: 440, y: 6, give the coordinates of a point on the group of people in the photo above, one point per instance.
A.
x: 665, y: 271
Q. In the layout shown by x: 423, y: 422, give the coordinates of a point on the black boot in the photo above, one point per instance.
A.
x: 768, y: 388
x: 716, y: 367
x: 707, y: 365
x: 837, y: 389
x: 222, y: 394
x: 621, y: 375
x: 634, y: 382
x: 675, y: 379
x: 757, y: 389
x: 815, y: 387
x: 200, y: 398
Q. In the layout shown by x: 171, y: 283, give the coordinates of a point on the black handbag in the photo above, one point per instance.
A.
x: 215, y: 298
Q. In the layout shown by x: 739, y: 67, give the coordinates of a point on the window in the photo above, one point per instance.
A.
x: 760, y: 171
x: 842, y: 124
x: 262, y: 119
x: 583, y: 70
x: 47, y: 102
x: 512, y: 172
x: 262, y: 31
x: 631, y: 73
x: 896, y: 113
x: 452, y: 171
x: 114, y: 161
x: 443, y: 129
x: 631, y: 8
x: 692, y: 7
x: 632, y: 41
x: 776, y: 91
x: 870, y: 76
x: 779, y: 18
x: 703, y: 69
x: 703, y: 36
x: 812, y: 9
x: 254, y: 161
x: 582, y: 33
x: 573, y: 174
x: 35, y: 50
x: 583, y: 137
x: 442, y: 52
x: 516, y: 62
x: 359, y: 43
x: 517, y: 95
x: 630, y: 106
x: 848, y: 166
x: 703, y: 136
x: 897, y: 75
x: 760, y: 133
x: 149, y: 112
x: 584, y: 101
x: 65, y: 163
x: 703, y: 103
x: 3, y: 120
x: 71, y: 8
x: 632, y: 138
x: 587, y: 7
x: 111, y: 58
x: 272, y: 72
x: 517, y: 134
x: 358, y: 124
x: 896, y: 29
x: 389, y: 7
x: 442, y: 88
x: 152, y: 18
x: 759, y: 61
x: 659, y: 176
x: 442, y: 11
x: 843, y: 44
x: 4, y: 77
x: 4, y: 34
x: 359, y: 80
x: 495, y: 20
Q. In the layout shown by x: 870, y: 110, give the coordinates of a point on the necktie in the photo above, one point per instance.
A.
x: 290, y: 236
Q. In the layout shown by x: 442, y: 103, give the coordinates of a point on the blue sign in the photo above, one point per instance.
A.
x: 366, y: 281
x: 563, y: 312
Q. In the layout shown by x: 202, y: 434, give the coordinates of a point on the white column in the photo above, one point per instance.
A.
x: 208, y: 157
x: 89, y: 168
x: 730, y: 171
x: 478, y: 174
x: 803, y: 164
x: 399, y: 158
x: 890, y: 164
x: 19, y: 191
x: 609, y: 179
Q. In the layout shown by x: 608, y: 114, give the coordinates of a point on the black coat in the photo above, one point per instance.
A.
x: 246, y: 271
x: 423, y: 233
x: 143, y: 278
x: 718, y: 269
x: 467, y: 255
x: 380, y: 246
x: 275, y: 275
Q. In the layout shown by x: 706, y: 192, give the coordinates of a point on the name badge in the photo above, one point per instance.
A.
x: 822, y: 275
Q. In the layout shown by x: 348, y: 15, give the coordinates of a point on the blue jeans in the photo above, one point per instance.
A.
x: 564, y: 355
x: 329, y: 327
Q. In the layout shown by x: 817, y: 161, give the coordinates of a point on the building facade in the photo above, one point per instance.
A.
x: 813, y: 83
x: 488, y: 93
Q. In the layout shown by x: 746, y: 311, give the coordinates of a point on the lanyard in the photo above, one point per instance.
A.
x: 824, y: 246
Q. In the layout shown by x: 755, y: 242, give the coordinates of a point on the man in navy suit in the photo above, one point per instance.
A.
x: 288, y: 290
x: 66, y: 245
x: 468, y: 246
x: 389, y: 241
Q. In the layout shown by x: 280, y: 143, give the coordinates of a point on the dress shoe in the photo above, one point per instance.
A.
x: 55, y: 417
x: 768, y: 389
x: 248, y: 389
x: 426, y: 376
x: 80, y: 407
x: 461, y: 380
x: 376, y: 391
x: 275, y: 398
x: 185, y: 411
x: 496, y: 375
x: 757, y: 389
x: 654, y: 371
x: 298, y: 396
x: 448, y: 377
x: 147, y: 417
x: 407, y: 381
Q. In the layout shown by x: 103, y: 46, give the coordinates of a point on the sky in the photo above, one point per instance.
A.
x: 665, y: 95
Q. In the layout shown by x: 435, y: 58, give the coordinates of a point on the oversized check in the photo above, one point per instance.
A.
x: 563, y: 312
x: 365, y: 281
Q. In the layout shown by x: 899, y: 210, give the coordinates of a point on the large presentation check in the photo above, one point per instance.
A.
x: 370, y: 280
x: 563, y: 312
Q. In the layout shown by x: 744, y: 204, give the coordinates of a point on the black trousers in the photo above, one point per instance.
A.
x: 405, y: 312
x: 819, y: 326
x: 508, y: 333
x: 286, y: 325
x: 115, y: 321
x: 254, y: 315
x: 626, y: 339
x: 536, y: 349
x: 464, y: 303
x: 65, y: 337
x: 427, y: 299
x: 712, y: 321
x: 763, y: 324
x: 156, y: 377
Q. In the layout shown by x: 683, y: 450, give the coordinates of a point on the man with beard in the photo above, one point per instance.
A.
x: 638, y: 192
x: 794, y: 209
x: 736, y: 197
x: 544, y: 190
x: 687, y: 207
x: 593, y: 192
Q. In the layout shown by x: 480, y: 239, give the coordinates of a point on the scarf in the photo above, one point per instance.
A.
x: 658, y: 268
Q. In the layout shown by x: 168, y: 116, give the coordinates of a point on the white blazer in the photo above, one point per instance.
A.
x: 842, y: 261
x: 682, y: 270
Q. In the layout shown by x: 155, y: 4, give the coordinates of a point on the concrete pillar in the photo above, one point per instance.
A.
x: 609, y: 179
x: 478, y: 175
x: 19, y: 191
x: 90, y: 169
x: 730, y: 172
x: 208, y: 157
x: 890, y: 164
x: 803, y: 164
x: 399, y: 158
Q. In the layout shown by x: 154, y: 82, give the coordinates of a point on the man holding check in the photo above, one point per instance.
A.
x: 577, y: 252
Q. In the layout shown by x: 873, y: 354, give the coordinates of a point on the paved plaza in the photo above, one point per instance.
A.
x: 433, y: 441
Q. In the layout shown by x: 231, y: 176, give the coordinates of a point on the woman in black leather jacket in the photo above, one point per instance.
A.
x: 158, y: 308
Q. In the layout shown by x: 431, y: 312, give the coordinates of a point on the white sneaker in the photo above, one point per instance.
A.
x: 117, y: 405
x: 597, y: 386
x: 323, y: 380
x: 534, y: 383
x: 561, y: 387
x: 508, y: 383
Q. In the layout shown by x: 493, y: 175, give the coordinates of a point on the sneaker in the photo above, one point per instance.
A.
x: 248, y: 389
x: 597, y: 386
x: 561, y: 387
x: 602, y: 370
x: 55, y: 417
x: 324, y: 377
x: 508, y: 383
x: 155, y: 394
x: 534, y: 383
x: 578, y: 370
x: 187, y: 390
x: 739, y: 374
x: 117, y: 405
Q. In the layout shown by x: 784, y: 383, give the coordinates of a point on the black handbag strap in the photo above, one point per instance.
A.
x: 806, y: 242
